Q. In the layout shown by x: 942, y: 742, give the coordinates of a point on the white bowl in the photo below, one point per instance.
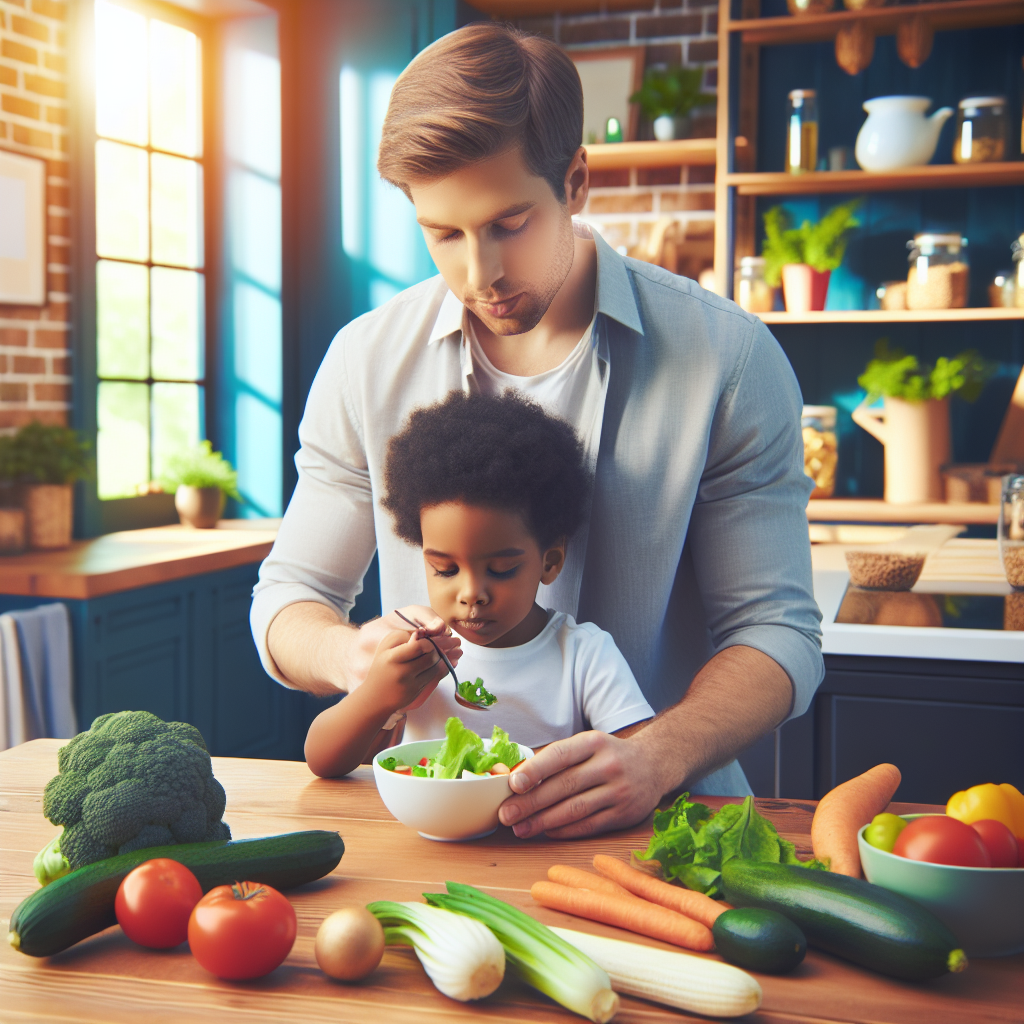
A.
x: 447, y: 810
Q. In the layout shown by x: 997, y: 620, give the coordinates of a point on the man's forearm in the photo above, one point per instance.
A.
x: 737, y: 697
x: 309, y: 643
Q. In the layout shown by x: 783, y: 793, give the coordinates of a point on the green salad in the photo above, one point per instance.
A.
x: 476, y: 693
x: 462, y: 750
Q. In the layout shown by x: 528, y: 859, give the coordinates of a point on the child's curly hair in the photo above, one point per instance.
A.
x: 496, y: 452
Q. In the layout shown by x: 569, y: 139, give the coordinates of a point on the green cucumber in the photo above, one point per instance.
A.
x: 759, y: 940
x: 865, y: 923
x: 81, y: 904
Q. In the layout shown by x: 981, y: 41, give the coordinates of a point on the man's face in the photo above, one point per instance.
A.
x: 500, y: 238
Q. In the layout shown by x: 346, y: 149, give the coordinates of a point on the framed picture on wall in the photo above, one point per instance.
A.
x: 609, y: 78
x: 22, y: 229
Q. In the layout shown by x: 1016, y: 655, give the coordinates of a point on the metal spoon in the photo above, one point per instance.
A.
x: 459, y: 699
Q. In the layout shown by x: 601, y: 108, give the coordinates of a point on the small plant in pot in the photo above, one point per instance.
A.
x: 39, y: 465
x: 201, y: 480
x: 913, y: 423
x: 803, y: 258
x: 667, y: 97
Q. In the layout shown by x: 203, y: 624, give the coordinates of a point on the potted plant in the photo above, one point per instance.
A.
x: 201, y: 480
x: 803, y: 258
x: 43, y: 461
x: 913, y: 423
x: 668, y: 95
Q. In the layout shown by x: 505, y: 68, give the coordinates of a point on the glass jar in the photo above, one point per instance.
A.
x: 939, y: 276
x: 753, y: 292
x: 821, y: 448
x: 1011, y: 529
x: 1002, y: 292
x: 1017, y: 248
x: 982, y: 130
x: 798, y: 7
x: 802, y: 131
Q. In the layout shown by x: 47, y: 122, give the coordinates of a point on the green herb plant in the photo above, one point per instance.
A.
x: 200, y: 467
x: 894, y: 374
x: 43, y: 453
x: 821, y: 246
x: 673, y: 91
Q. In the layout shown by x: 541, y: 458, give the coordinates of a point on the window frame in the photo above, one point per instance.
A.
x: 93, y: 515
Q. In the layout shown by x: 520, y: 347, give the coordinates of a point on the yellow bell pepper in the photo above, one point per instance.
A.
x: 1002, y: 803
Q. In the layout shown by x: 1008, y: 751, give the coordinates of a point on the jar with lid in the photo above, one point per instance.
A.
x: 982, y: 130
x: 753, y: 292
x: 939, y: 276
x: 821, y: 448
x: 802, y: 131
x: 1011, y: 530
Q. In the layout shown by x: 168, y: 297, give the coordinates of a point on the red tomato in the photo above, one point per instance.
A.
x: 241, y: 931
x: 999, y: 841
x: 939, y: 839
x: 153, y: 903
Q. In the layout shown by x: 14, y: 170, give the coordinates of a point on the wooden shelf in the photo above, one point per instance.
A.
x: 874, y: 510
x: 532, y: 8
x: 781, y: 183
x: 615, y: 156
x: 813, y: 28
x: 892, y: 316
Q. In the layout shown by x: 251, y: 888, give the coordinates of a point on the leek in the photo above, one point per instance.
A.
x: 461, y: 956
x: 535, y: 954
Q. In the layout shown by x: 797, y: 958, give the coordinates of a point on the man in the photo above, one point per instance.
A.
x: 695, y: 556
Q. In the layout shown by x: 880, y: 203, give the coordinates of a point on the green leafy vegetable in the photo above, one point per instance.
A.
x: 691, y: 844
x: 389, y: 764
x: 821, y: 246
x: 895, y: 374
x: 476, y: 693
x: 463, y: 750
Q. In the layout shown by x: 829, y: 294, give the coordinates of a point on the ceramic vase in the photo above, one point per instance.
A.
x: 200, y: 507
x: 917, y: 444
x: 48, y: 509
x: 666, y: 127
x: 804, y: 288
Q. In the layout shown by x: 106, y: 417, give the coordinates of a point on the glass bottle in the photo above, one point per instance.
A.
x: 753, y: 292
x: 802, y: 131
x: 982, y: 130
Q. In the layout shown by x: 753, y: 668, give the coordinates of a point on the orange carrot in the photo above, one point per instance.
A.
x: 684, y: 901
x: 577, y: 878
x: 625, y: 912
x: 841, y: 812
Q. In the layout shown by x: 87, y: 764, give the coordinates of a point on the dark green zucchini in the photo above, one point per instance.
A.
x: 759, y: 940
x: 852, y: 918
x: 80, y: 904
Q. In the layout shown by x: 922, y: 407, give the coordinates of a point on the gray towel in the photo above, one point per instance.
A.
x: 44, y: 644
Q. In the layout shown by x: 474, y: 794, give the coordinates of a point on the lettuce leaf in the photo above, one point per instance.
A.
x: 502, y: 752
x: 460, y: 744
x: 476, y: 693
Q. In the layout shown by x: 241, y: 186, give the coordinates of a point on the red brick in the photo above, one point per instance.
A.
x: 55, y: 62
x: 50, y: 9
x: 51, y: 339
x: 59, y: 254
x: 670, y: 54
x: 609, y: 179
x: 604, y: 31
x: 58, y: 224
x: 31, y: 137
x: 18, y: 3
x: 711, y: 78
x: 19, y: 417
x: 701, y: 175
x: 658, y: 175
x: 16, y: 105
x: 711, y: 23
x: 63, y: 144
x: 57, y: 115
x: 13, y: 392
x: 3, y: 363
x: 14, y: 336
x: 8, y: 76
x: 669, y: 25
x: 45, y: 86
x: 30, y: 28
x: 537, y: 26
x: 61, y: 366
x: 700, y: 51
x: 3, y: 129
x: 57, y: 312
x: 57, y: 169
x: 632, y: 202
x: 57, y: 281
x: 29, y: 364
x: 17, y: 51
x: 51, y: 392
x: 58, y: 195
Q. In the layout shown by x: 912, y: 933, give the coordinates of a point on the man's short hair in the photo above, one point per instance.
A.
x: 477, y: 92
x: 501, y: 452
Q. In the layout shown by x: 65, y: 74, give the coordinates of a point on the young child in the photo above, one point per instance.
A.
x: 491, y: 488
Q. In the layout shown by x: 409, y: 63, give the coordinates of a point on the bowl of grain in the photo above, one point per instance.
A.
x: 884, y: 570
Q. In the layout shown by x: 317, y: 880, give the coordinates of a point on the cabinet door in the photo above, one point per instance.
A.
x: 939, y: 747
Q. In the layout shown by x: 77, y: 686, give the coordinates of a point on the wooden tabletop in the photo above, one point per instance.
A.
x: 874, y: 510
x: 107, y: 979
x: 136, y: 558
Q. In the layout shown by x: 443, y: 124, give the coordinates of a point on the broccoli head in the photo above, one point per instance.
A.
x: 129, y: 782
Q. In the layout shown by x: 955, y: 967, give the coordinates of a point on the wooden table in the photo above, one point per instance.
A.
x: 107, y: 979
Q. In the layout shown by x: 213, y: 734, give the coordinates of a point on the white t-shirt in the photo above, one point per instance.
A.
x: 569, y: 678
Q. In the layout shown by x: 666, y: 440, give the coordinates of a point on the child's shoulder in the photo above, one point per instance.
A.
x: 578, y: 635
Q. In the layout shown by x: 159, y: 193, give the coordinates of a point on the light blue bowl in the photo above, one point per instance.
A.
x: 982, y: 907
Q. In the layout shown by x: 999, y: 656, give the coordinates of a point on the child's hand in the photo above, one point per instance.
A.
x: 405, y: 670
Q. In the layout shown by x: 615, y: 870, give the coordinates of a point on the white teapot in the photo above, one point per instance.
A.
x: 897, y: 134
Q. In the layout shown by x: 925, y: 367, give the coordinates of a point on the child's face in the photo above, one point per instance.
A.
x: 483, y: 568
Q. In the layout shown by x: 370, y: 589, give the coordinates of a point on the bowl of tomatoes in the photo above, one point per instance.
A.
x: 982, y: 905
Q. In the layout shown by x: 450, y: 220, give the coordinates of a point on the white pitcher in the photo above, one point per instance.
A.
x: 897, y: 134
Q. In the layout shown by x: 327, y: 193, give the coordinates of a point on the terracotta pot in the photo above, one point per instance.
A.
x: 48, y: 510
x: 917, y: 444
x: 804, y: 288
x: 200, y: 507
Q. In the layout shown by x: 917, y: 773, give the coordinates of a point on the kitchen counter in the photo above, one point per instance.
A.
x: 107, y: 979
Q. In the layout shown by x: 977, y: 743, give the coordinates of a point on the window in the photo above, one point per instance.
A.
x: 150, y: 282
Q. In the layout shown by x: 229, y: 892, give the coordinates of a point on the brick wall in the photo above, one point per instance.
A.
x: 35, y: 357
x: 626, y: 205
